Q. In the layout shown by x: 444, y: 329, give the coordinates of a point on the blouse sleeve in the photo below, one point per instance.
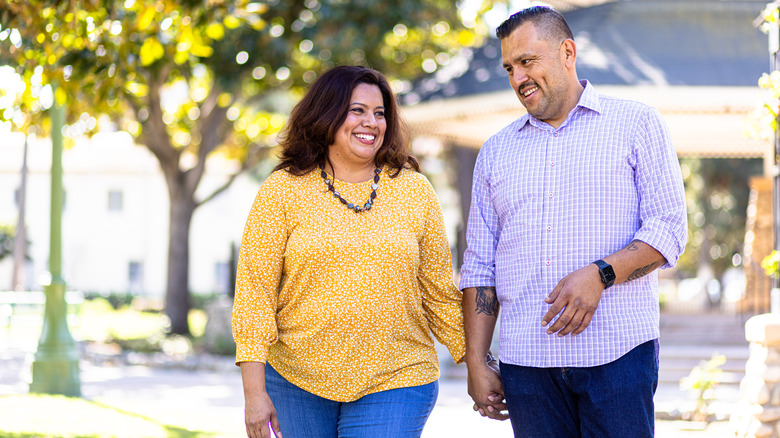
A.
x: 259, y: 273
x: 441, y: 298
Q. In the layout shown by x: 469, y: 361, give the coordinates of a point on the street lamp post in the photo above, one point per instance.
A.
x: 55, y: 367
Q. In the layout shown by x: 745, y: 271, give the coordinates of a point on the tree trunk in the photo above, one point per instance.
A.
x: 20, y: 241
x: 181, y: 189
x: 177, y: 298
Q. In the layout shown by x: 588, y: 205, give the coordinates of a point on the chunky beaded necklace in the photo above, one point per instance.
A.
x: 351, y: 206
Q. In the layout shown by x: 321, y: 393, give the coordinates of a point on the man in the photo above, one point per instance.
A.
x: 574, y: 207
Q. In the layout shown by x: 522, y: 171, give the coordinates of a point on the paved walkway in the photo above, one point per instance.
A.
x: 212, y: 400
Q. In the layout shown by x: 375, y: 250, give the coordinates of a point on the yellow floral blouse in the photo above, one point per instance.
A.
x: 344, y: 304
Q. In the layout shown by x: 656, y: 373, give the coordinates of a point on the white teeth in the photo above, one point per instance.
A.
x: 527, y: 93
x: 365, y: 137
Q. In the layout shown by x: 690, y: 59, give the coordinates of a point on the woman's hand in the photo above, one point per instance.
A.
x: 260, y: 417
x: 259, y: 411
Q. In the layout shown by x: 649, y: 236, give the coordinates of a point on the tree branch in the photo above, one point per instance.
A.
x: 211, y: 127
x: 155, y: 134
x: 253, y: 157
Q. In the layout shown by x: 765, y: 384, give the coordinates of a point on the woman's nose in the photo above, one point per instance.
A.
x: 369, y: 120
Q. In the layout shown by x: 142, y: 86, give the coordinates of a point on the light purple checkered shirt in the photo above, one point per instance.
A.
x: 548, y: 201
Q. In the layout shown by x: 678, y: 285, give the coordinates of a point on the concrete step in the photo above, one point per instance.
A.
x: 686, y: 364
x: 687, y: 341
x: 703, y: 352
x: 673, y: 377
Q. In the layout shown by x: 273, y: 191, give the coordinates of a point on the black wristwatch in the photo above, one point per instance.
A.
x: 606, y: 272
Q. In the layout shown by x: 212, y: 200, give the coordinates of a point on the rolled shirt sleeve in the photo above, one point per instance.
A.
x: 482, y: 231
x: 662, y: 211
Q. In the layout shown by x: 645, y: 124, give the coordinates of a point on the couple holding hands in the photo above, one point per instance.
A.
x: 345, y: 274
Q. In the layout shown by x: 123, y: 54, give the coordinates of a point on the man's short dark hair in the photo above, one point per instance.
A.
x: 550, y: 24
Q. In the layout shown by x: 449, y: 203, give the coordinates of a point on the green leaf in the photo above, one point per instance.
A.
x: 151, y: 51
x: 146, y: 17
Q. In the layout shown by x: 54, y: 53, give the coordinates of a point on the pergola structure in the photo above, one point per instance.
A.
x: 697, y: 61
x: 707, y: 122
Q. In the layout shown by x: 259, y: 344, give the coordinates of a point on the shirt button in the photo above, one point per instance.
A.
x: 548, y: 262
x: 555, y: 134
x: 550, y: 195
x: 549, y: 228
x: 552, y: 163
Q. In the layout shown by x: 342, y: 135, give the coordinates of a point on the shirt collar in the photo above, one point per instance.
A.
x: 589, y: 100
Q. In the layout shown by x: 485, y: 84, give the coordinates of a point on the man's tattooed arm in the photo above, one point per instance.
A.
x: 644, y: 270
x: 632, y: 246
x: 487, y: 301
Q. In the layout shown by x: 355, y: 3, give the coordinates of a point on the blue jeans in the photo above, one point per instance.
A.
x: 394, y: 413
x: 613, y: 400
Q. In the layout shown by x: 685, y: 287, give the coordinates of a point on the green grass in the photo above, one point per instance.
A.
x: 133, y: 329
x: 44, y: 416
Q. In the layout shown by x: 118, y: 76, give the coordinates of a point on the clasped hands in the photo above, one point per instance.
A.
x: 574, y: 299
x: 485, y: 388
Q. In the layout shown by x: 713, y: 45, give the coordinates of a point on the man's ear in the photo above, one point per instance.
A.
x: 569, y: 52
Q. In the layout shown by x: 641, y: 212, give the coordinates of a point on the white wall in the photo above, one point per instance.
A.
x: 99, y: 244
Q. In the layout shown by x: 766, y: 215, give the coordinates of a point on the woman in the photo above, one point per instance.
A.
x: 344, y: 275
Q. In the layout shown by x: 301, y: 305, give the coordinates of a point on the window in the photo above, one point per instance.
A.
x: 221, y: 277
x: 115, y: 200
x: 135, y: 277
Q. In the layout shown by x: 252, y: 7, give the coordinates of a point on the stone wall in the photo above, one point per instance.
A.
x: 757, y: 414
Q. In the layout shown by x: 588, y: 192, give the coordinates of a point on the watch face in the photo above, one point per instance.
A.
x: 607, y: 273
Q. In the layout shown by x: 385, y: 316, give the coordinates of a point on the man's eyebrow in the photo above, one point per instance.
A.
x: 517, y: 58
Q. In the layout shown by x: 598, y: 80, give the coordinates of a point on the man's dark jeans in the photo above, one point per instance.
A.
x: 611, y: 400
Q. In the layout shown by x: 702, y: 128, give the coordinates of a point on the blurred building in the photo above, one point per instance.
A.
x: 115, y: 217
x: 697, y: 61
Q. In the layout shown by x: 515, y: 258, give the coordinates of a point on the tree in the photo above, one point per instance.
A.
x: 21, y: 111
x: 717, y: 191
x: 192, y: 78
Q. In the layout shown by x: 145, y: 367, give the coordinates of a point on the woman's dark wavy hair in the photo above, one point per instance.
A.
x: 314, y: 121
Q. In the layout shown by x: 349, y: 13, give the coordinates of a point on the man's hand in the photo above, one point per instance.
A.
x: 485, y: 388
x: 575, y: 298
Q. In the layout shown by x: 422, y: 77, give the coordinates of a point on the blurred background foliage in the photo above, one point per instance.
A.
x: 191, y: 80
x: 717, y: 191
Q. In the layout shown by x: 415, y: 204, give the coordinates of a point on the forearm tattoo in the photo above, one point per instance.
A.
x: 632, y: 246
x: 641, y: 272
x: 487, y: 301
